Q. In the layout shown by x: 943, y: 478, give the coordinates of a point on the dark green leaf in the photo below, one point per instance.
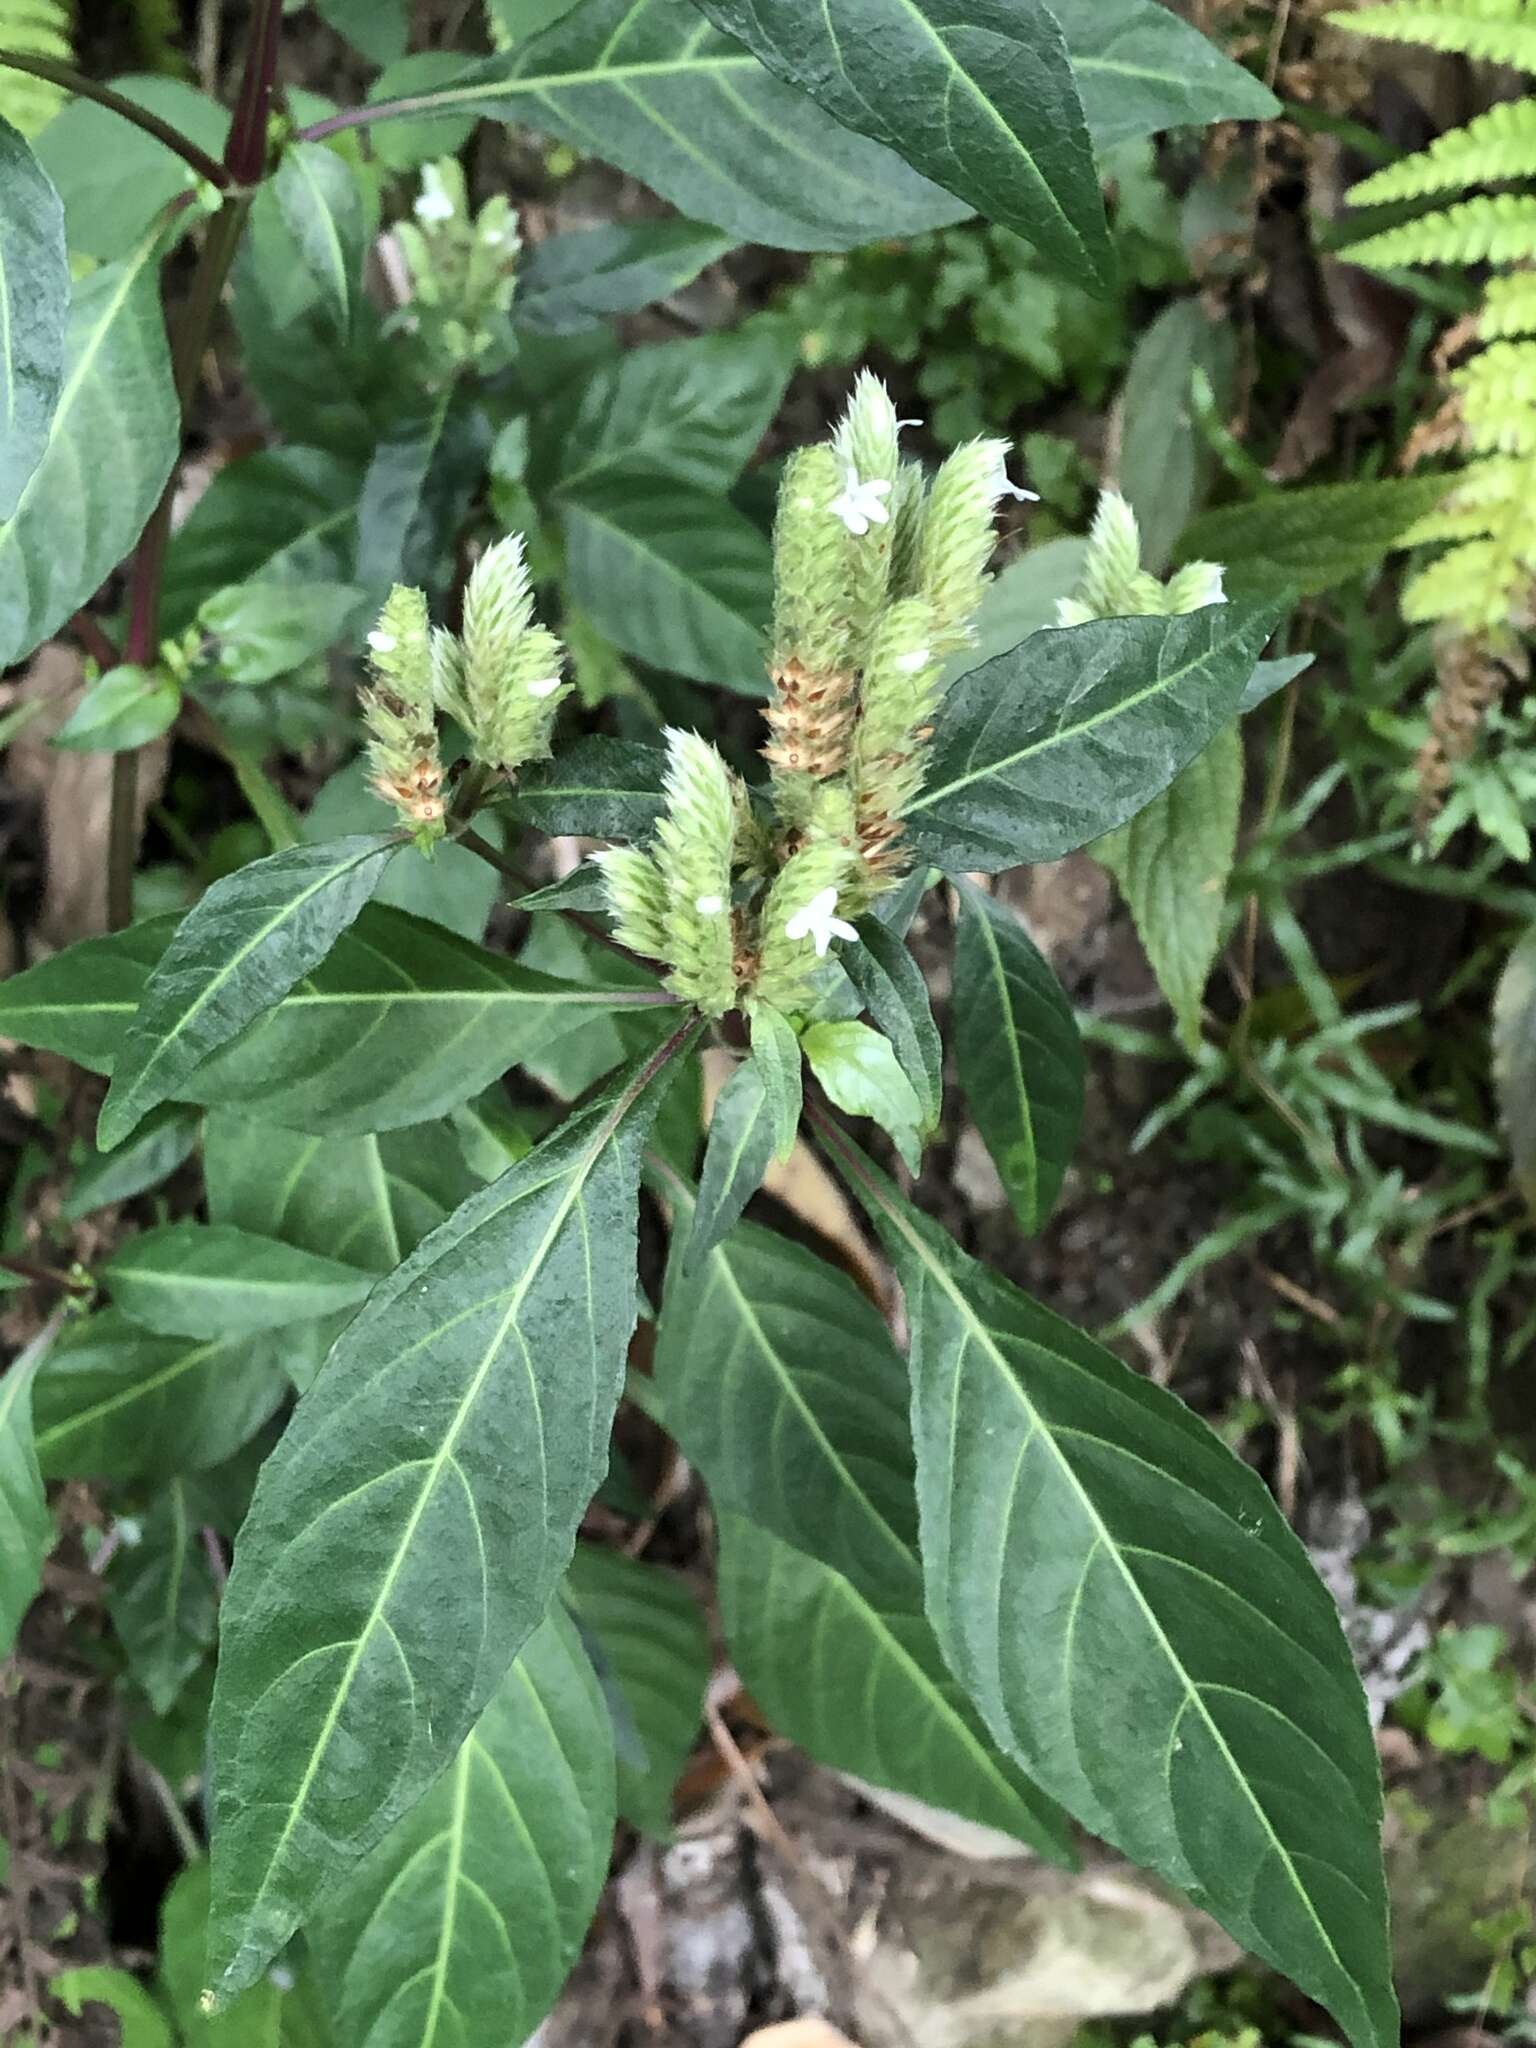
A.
x: 571, y: 281
x: 1018, y: 1054
x: 321, y: 204
x: 1044, y: 749
x: 776, y: 1056
x: 143, y: 2024
x: 1514, y: 1059
x: 461, y: 1926
x: 263, y: 2018
x: 860, y: 1072
x: 213, y: 1280
x: 122, y: 710
x: 1096, y: 1562
x: 784, y: 1390
x: 112, y: 177
x: 111, y: 443
x: 737, y: 1155
x: 266, y: 629
x: 652, y: 1648
x: 162, y: 1142
x: 694, y: 116
x: 1299, y: 542
x: 1165, y: 460
x: 598, y: 789
x: 26, y: 1527
x: 450, y: 885
x: 453, y: 1440
x: 1141, y: 69
x: 1173, y: 862
x: 378, y: 28
x: 239, y: 951
x: 34, y: 310
x: 162, y: 1598
x: 1271, y: 676
x: 117, y: 1403
x: 891, y: 986
x: 980, y: 99
x: 422, y: 476
x: 672, y: 575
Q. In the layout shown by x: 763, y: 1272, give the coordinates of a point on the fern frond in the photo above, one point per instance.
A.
x: 1475, y: 587
x: 33, y: 28
x: 1497, y: 31
x: 1496, y: 147
x: 1509, y: 306
x: 1497, y: 227
x: 1497, y: 391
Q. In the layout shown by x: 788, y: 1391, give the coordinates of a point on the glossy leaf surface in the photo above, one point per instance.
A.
x: 214, y: 1280
x: 34, y: 310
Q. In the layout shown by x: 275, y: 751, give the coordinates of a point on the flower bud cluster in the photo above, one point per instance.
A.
x: 501, y: 679
x: 1114, y: 585
x: 462, y: 269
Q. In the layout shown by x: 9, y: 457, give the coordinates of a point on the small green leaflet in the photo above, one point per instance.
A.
x: 650, y: 1644
x: 162, y: 1598
x: 1017, y: 1053
x: 776, y: 1055
x: 641, y: 85
x: 978, y: 97
x: 1141, y: 69
x: 890, y: 984
x: 598, y: 788
x: 321, y: 203
x: 34, y: 310
x: 213, y: 1280
x: 453, y: 1440
x: 111, y: 443
x: 783, y: 1388
x: 240, y: 950
x: 1061, y: 1527
x: 124, y: 709
x: 737, y: 1154
x: 462, y: 1925
x: 26, y: 1527
x: 861, y: 1073
x: 1039, y: 751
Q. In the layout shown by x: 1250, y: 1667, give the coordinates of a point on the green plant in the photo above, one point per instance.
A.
x: 994, y: 1574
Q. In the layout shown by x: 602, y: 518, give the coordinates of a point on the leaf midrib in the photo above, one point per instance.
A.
x: 983, y: 922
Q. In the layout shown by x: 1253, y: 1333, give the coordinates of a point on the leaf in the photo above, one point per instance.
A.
x: 260, y: 2019
x: 267, y: 629
x: 652, y: 1649
x: 1165, y: 460
x: 212, y: 1280
x: 1020, y: 600
x: 34, y: 310
x: 1017, y: 1053
x: 321, y: 203
x: 116, y: 1403
x: 1141, y: 69
x: 122, y: 710
x: 673, y: 576
x: 111, y: 444
x: 980, y: 99
x: 690, y: 410
x: 572, y: 281
x: 377, y: 28
x: 236, y: 953
x: 1305, y: 541
x: 776, y: 1055
x: 891, y: 986
x: 1514, y: 1060
x: 1173, y: 862
x: 162, y: 1598
x: 451, y: 885
x: 782, y: 1387
x: 1096, y: 1562
x: 1041, y: 750
x: 453, y: 1440
x: 596, y: 789
x: 112, y: 177
x: 26, y: 1527
x: 463, y: 1923
x: 860, y: 1072
x: 737, y: 1154
x: 639, y: 84
x: 165, y: 1140
x: 143, y: 2025
x: 441, y: 1019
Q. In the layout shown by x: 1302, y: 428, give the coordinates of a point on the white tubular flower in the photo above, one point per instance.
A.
x: 816, y: 921
x: 543, y: 686
x: 862, y: 505
x: 434, y: 203
x: 709, y: 906
x: 382, y: 643
x: 1004, y: 487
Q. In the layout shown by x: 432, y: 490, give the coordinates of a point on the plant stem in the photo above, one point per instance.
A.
x: 245, y: 156
x: 88, y: 89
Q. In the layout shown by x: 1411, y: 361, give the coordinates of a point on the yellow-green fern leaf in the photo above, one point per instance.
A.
x: 1498, y: 227
x: 1496, y: 147
x: 1473, y: 587
x: 1497, y: 391
x: 1498, y: 31
x: 33, y: 28
x: 1509, y: 306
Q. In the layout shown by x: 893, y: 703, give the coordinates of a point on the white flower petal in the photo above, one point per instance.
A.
x: 919, y: 658
x: 544, y: 686
x: 383, y: 643
x: 709, y: 906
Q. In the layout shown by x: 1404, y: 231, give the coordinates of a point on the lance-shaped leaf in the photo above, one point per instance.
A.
x: 978, y: 97
x: 571, y: 282
x: 321, y: 203
x: 463, y: 1923
x: 1141, y: 69
x: 642, y: 85
x: 111, y: 443
x: 598, y: 789
x: 235, y: 954
x: 410, y: 1529
x: 776, y: 1055
x: 162, y: 1598
x: 440, y: 1017
x: 213, y: 1280
x: 26, y: 1527
x: 34, y: 307
x: 1138, y: 1624
x: 115, y: 1402
x: 1018, y: 1054
x: 649, y: 1641
x: 783, y: 1388
x: 1041, y: 750
x: 891, y: 986
x: 742, y: 1134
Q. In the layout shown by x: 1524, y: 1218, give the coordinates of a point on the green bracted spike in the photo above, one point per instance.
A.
x: 399, y: 713
x: 695, y: 852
